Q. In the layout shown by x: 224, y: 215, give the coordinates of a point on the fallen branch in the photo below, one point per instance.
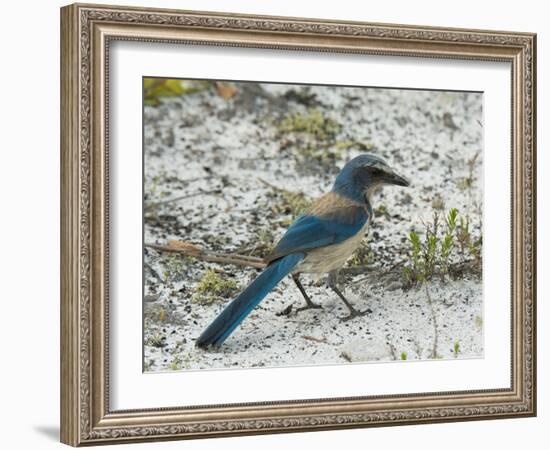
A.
x: 198, y: 252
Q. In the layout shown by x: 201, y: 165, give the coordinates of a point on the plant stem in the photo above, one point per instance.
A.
x: 434, y: 321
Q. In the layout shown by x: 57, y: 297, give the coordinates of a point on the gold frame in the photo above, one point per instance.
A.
x: 86, y: 31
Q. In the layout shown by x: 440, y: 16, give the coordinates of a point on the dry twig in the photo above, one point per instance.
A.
x: 196, y: 251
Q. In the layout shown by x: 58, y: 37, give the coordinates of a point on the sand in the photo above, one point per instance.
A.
x: 214, y: 168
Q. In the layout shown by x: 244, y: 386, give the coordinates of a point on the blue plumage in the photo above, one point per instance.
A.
x: 310, y: 232
x: 319, y: 241
x: 235, y: 312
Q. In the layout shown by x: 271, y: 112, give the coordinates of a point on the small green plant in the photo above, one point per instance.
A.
x: 157, y: 314
x: 466, y: 242
x: 155, y: 181
x: 403, y: 356
x: 162, y: 315
x: 416, y: 248
x: 294, y: 203
x: 173, y: 267
x: 456, y: 349
x: 382, y: 211
x: 438, y: 203
x: 312, y: 122
x: 362, y: 256
x: 479, y: 322
x: 212, y: 287
x: 423, y: 257
x: 447, y: 243
x: 262, y: 244
x: 156, y: 88
x: 176, y: 363
x: 312, y: 137
x: 156, y: 340
x: 467, y: 182
x: 432, y: 255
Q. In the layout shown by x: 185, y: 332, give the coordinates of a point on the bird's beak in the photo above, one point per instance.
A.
x: 398, y: 180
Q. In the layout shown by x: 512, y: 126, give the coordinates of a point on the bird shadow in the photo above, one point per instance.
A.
x: 51, y: 432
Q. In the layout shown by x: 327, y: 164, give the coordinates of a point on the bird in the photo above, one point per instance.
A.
x: 318, y: 241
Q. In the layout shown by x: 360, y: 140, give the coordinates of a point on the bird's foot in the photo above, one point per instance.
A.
x: 310, y: 305
x: 285, y: 312
x: 353, y: 313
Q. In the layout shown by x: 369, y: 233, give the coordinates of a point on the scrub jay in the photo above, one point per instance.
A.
x: 319, y: 241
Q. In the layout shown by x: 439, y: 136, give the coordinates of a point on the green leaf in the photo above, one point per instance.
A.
x: 156, y: 88
x: 451, y: 219
x: 415, y: 240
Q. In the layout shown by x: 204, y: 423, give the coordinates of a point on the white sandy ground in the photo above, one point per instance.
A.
x: 220, y: 151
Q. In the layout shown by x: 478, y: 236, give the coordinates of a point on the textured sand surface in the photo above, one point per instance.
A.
x: 227, y: 159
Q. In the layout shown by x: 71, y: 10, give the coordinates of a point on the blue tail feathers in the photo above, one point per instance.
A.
x: 236, y: 311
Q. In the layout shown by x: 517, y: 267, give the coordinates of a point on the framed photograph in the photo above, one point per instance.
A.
x: 278, y: 224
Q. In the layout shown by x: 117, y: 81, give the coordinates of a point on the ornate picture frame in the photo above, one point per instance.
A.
x: 87, y: 32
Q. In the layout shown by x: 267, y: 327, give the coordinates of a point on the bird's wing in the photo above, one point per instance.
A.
x: 330, y: 220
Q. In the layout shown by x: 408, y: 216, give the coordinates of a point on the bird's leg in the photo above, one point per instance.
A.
x: 332, y: 283
x: 309, y: 303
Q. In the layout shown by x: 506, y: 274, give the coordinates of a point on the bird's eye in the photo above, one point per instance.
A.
x: 376, y: 171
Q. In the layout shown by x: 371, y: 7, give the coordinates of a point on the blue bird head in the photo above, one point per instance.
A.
x: 363, y: 174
